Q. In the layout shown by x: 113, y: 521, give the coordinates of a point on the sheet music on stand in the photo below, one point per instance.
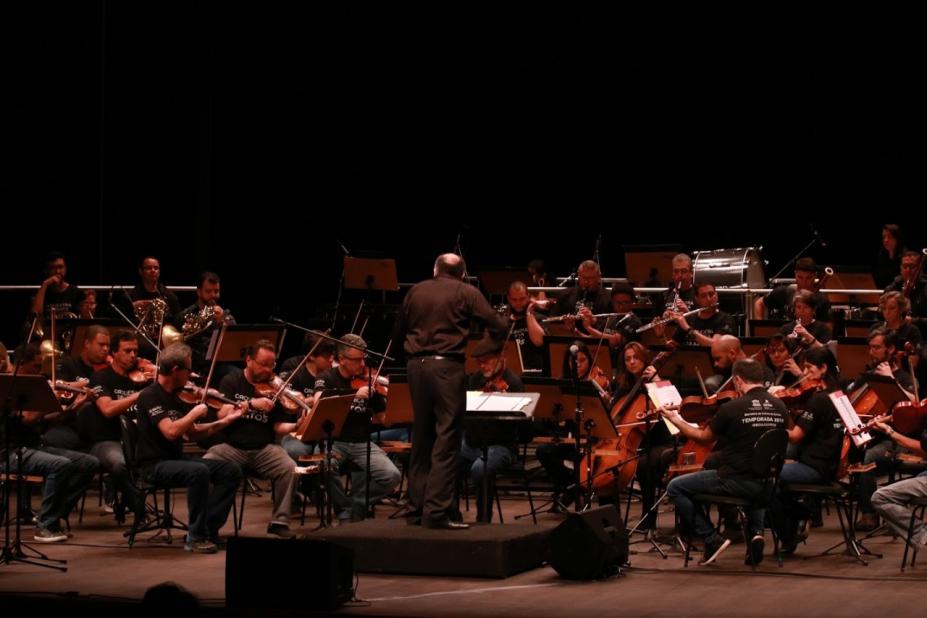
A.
x: 664, y: 394
x: 513, y: 405
x: 850, y: 418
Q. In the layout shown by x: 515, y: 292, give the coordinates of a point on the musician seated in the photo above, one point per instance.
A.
x: 912, y: 282
x: 893, y: 501
x: 163, y: 423
x: 618, y: 332
x: 896, y: 308
x: 818, y: 433
x: 779, y: 304
x: 739, y: 423
x: 67, y: 473
x: 527, y: 332
x: 882, y: 451
x: 199, y: 321
x: 351, y: 445
x: 116, y: 394
x: 781, y: 362
x: 725, y: 351
x: 251, y: 440
x: 805, y: 330
x: 587, y: 298
x: 321, y: 354
x: 62, y: 429
x: 493, y: 376
x: 701, y: 328
x: 680, y: 296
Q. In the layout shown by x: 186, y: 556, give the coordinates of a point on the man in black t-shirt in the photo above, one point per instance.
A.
x: 116, y: 395
x: 351, y: 444
x: 55, y: 293
x: 62, y: 429
x: 139, y: 303
x: 251, y: 441
x: 894, y: 502
x: 320, y: 359
x: 681, y: 294
x: 910, y: 263
x: 779, y: 304
x: 492, y: 376
x: 739, y: 423
x: 584, y: 300
x: 163, y: 422
x: 700, y: 328
x: 527, y: 332
x: 199, y: 320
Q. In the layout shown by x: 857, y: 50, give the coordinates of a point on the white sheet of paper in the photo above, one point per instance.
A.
x: 662, y: 394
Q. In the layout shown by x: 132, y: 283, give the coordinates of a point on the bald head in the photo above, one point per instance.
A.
x: 725, y: 350
x: 450, y: 264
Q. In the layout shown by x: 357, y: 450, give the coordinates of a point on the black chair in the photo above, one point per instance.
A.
x: 146, y: 518
x: 918, y: 507
x: 768, y: 457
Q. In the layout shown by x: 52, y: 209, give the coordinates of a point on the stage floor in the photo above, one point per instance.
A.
x: 100, y: 565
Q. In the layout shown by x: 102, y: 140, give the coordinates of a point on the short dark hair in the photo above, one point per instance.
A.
x: 806, y: 265
x: 95, y: 331
x: 702, y: 284
x: 324, y: 347
x: 207, y: 276
x: 748, y: 370
x: 889, y: 337
x: 517, y: 286
x: 123, y: 335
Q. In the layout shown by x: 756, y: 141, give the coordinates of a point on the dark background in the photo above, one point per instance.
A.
x: 139, y: 128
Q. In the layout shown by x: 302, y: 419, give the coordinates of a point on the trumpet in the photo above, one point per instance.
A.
x: 662, y: 321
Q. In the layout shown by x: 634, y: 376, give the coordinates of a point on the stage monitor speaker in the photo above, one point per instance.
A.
x: 256, y: 567
x: 589, y: 545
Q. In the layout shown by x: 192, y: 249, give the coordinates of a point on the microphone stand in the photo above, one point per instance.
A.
x: 803, y: 250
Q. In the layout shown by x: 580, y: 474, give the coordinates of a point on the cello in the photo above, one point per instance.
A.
x: 615, y: 461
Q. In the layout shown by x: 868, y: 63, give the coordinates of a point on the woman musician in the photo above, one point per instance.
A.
x: 805, y: 331
x: 818, y: 435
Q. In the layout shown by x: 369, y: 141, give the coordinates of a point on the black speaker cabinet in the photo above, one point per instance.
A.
x: 256, y: 568
x: 589, y: 545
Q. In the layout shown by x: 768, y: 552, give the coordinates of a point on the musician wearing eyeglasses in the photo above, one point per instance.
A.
x: 350, y: 446
x: 680, y: 296
x: 882, y: 361
x: 912, y: 282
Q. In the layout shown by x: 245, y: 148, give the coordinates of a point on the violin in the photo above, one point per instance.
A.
x: 380, y: 383
x: 496, y: 384
x: 145, y: 371
x: 289, y: 398
x: 68, y: 391
x: 106, y: 363
x: 799, y: 392
x: 598, y: 376
x: 191, y: 394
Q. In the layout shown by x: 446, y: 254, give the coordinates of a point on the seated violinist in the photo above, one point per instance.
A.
x: 818, y: 434
x: 493, y: 376
x: 658, y: 446
x: 67, y: 473
x: 251, y: 440
x: 738, y: 423
x: 527, y: 331
x: 701, y: 328
x: 321, y: 353
x: 62, y: 429
x: 805, y: 330
x: 116, y: 394
x: 552, y: 456
x: 164, y: 420
x: 882, y: 451
x: 351, y: 445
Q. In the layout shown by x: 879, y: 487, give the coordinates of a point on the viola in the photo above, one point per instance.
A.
x: 144, y: 371
x: 191, y: 394
x: 289, y: 398
x: 380, y: 383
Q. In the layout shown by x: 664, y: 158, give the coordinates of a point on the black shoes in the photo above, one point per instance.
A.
x: 444, y: 524
x: 755, y: 552
x: 713, y: 549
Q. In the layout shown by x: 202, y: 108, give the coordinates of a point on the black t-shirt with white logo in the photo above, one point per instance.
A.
x: 740, y: 423
x: 255, y: 429
x: 94, y: 427
x: 154, y: 405
x: 823, y: 439
x: 357, y: 426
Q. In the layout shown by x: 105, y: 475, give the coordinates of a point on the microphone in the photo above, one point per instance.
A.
x: 574, y: 350
x: 343, y: 248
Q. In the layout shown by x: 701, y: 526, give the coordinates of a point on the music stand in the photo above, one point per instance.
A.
x: 549, y: 406
x: 321, y: 425
x: 510, y: 352
x: 488, y: 420
x: 18, y: 393
x: 238, y: 337
x: 592, y: 418
x: 842, y: 280
x: 370, y: 274
x: 496, y: 282
x: 852, y: 355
